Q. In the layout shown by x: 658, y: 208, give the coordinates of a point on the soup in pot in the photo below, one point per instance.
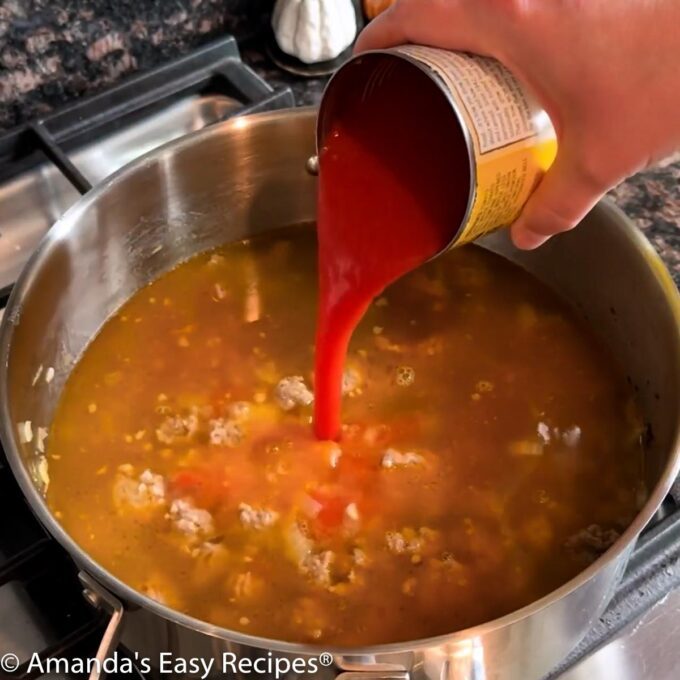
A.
x: 490, y: 448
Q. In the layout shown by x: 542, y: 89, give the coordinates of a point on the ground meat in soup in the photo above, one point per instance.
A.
x: 489, y: 450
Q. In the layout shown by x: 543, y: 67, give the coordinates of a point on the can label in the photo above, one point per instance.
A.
x: 512, y: 140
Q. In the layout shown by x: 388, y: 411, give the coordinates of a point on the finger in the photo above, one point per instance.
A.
x: 425, y: 22
x: 386, y: 30
x: 561, y: 201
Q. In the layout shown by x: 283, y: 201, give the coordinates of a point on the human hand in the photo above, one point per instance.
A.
x: 606, y: 71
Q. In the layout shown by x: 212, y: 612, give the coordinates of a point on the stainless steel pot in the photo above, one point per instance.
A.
x: 247, y: 176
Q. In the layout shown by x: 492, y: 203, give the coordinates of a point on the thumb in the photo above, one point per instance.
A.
x: 562, y: 199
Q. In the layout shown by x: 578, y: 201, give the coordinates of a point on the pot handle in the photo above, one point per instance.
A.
x: 101, y: 598
x: 353, y: 668
x: 373, y: 675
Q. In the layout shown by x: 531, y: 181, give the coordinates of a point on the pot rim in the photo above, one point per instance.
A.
x: 8, y: 434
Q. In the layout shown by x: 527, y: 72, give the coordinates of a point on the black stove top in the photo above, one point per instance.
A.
x: 42, y: 608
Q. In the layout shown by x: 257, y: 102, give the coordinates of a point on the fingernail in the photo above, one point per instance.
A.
x: 525, y: 239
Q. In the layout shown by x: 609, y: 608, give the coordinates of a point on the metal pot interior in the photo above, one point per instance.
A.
x: 248, y: 176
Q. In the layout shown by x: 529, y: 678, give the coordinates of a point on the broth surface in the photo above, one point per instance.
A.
x: 490, y: 449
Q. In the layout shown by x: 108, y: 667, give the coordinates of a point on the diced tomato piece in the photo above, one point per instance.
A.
x: 355, y: 472
x: 333, y: 503
x: 187, y: 480
x: 208, y: 488
x: 377, y: 436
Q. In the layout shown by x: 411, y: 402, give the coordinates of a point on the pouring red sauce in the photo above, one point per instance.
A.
x: 393, y: 189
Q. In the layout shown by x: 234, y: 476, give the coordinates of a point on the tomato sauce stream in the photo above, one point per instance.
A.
x: 393, y: 189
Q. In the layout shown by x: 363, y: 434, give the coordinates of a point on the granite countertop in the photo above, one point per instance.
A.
x: 53, y: 52
x: 652, y: 199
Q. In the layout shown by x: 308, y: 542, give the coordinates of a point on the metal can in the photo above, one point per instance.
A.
x: 510, y: 140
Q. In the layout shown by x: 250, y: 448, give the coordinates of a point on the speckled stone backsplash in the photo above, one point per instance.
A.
x: 54, y: 51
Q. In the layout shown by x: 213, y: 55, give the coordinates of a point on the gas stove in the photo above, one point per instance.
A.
x: 44, y: 166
